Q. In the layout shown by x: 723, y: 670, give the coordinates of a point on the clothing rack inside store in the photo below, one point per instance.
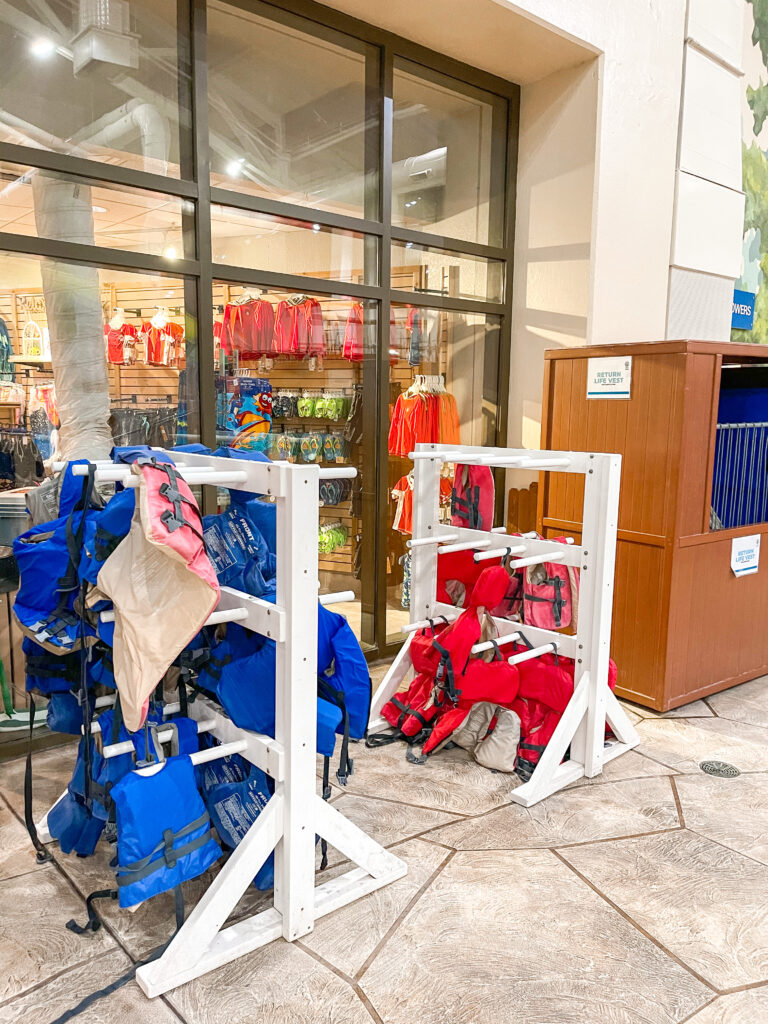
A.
x: 582, y: 726
x: 140, y: 400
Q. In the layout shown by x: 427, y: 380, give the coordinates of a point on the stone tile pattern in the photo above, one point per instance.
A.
x: 637, y: 896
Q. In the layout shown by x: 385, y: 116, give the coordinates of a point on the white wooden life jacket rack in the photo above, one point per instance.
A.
x: 582, y: 725
x: 295, y: 813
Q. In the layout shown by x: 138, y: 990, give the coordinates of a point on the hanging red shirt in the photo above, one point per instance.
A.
x: 299, y: 329
x: 163, y: 344
x: 121, y: 342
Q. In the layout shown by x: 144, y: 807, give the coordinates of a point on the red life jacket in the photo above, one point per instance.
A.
x: 495, y: 682
x: 472, y: 497
x: 551, y: 594
x: 407, y: 711
x: 449, y: 680
x: 546, y: 686
x: 457, y: 574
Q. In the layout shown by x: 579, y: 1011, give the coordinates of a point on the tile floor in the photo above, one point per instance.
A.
x: 638, y: 897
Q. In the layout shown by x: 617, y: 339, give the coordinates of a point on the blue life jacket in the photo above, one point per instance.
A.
x: 241, y: 669
x: 164, y: 834
x: 263, y: 516
x: 193, y: 449
x: 44, y: 606
x: 235, y: 793
x: 104, y: 531
x: 71, y: 489
x: 58, y: 677
x: 48, y: 673
x: 241, y: 672
x: 101, y: 669
x: 72, y: 823
x: 48, y: 557
x: 127, y: 454
x: 238, y: 552
x: 343, y: 670
x: 107, y: 771
x: 65, y: 714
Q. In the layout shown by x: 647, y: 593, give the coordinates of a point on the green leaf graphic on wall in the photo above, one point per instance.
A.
x: 754, y: 274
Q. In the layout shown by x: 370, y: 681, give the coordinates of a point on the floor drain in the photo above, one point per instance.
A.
x: 720, y: 769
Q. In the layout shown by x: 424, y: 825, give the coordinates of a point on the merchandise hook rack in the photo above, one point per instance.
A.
x: 581, y: 728
x: 295, y: 813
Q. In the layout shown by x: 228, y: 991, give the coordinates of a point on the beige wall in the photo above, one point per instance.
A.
x: 553, y: 242
x: 601, y: 89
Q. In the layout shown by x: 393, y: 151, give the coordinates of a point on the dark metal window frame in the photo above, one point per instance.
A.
x: 199, y: 273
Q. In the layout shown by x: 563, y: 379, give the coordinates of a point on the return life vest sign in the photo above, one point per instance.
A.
x: 609, y: 377
x: 745, y: 555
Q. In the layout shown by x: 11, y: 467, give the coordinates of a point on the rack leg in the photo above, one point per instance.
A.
x: 199, y: 945
x: 296, y: 712
x: 549, y: 775
x: 42, y: 826
x: 389, y: 685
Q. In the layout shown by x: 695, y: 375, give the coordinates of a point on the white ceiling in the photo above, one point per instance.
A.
x: 486, y: 34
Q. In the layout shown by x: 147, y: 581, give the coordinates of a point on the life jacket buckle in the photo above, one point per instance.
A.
x: 169, y: 852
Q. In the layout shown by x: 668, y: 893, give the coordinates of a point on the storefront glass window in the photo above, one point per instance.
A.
x: 437, y: 272
x: 128, y: 330
x: 281, y: 245
x: 94, y: 80
x: 44, y: 205
x: 443, y: 389
x: 246, y: 309
x: 291, y: 372
x: 291, y: 112
x: 449, y: 152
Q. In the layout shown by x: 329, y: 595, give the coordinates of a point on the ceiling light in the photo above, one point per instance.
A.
x: 315, y: 228
x: 234, y: 167
x: 99, y: 209
x: 170, y: 253
x: 42, y: 47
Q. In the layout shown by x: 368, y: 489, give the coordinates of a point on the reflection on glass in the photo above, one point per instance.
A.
x: 421, y: 269
x: 259, y: 241
x: 448, y: 156
x: 94, y: 80
x: 288, y: 112
x: 443, y: 389
x: 102, y: 215
x: 121, y: 344
x: 291, y: 369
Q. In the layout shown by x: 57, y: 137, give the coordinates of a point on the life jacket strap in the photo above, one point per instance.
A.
x: 104, y: 543
x: 218, y: 665
x: 468, y: 508
x: 326, y: 796
x: 558, y: 602
x: 346, y: 764
x: 173, y: 520
x: 127, y: 874
x: 445, y: 672
x: 44, y: 668
x: 93, y: 923
x: 42, y: 854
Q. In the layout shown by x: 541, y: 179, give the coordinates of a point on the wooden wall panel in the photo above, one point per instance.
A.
x: 638, y: 634
x: 521, y: 508
x: 709, y: 652
x: 645, y: 430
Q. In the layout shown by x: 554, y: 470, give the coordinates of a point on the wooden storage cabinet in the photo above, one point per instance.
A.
x: 684, y: 626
